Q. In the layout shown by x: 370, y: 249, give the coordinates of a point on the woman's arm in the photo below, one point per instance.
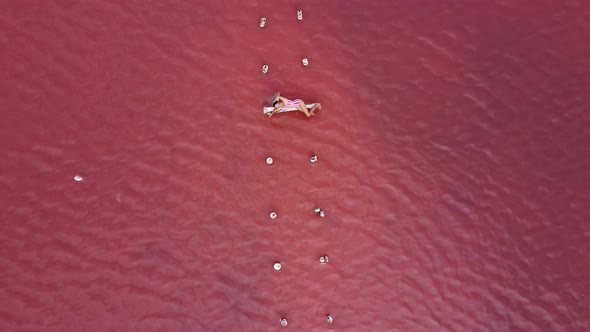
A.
x: 273, y: 112
x: 275, y: 98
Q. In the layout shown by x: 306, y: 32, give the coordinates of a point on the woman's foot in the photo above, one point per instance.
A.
x: 316, y: 107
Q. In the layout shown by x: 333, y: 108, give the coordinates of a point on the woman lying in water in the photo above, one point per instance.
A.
x: 282, y: 104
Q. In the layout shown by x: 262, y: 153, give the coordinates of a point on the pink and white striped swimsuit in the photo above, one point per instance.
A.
x: 292, y: 103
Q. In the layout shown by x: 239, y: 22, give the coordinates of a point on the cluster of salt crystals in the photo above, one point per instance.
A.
x: 320, y: 212
x: 265, y: 69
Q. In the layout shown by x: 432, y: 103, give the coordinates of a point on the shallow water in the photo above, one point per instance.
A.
x: 452, y: 165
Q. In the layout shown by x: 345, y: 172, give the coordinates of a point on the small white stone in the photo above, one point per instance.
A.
x: 305, y: 61
x: 277, y: 266
x: 264, y: 69
x: 78, y: 178
x: 329, y: 319
x: 322, y: 214
x: 262, y: 22
x: 269, y: 161
x: 273, y: 215
x: 284, y: 322
x: 300, y: 14
x: 313, y: 159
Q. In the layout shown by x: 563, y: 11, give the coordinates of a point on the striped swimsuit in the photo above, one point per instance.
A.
x: 292, y: 103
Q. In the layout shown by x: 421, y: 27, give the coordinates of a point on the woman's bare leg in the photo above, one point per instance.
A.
x: 316, y: 107
x: 303, y: 108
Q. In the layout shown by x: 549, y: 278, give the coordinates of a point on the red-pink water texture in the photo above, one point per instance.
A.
x: 452, y: 165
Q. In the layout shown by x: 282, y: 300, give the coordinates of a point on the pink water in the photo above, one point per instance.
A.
x: 453, y: 166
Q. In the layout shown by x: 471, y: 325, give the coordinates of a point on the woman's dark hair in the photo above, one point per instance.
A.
x: 276, y: 102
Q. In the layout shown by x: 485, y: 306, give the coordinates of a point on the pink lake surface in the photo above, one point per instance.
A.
x: 453, y: 156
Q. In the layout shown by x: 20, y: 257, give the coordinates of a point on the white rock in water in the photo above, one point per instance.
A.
x: 78, y: 178
x: 277, y: 266
x: 283, y: 322
x: 264, y: 69
x: 329, y: 319
x: 273, y: 215
x: 269, y: 161
x: 305, y: 61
